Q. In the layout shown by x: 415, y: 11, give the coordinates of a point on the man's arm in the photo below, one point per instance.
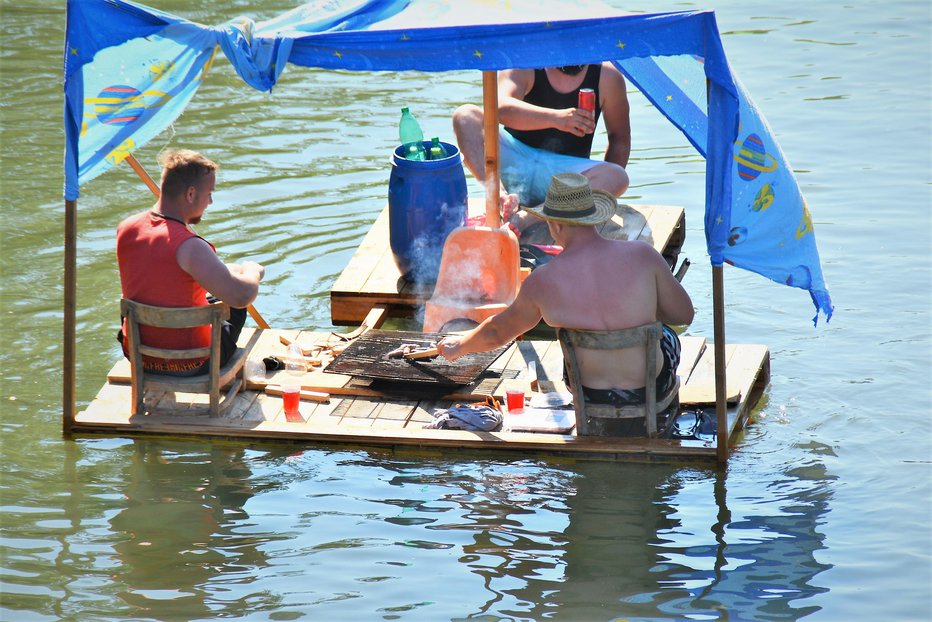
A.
x: 521, y: 316
x: 616, y: 115
x: 235, y: 284
x: 514, y: 112
x: 674, y: 305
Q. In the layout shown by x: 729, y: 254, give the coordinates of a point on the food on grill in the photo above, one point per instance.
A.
x: 401, y: 350
x: 413, y: 350
x: 426, y: 353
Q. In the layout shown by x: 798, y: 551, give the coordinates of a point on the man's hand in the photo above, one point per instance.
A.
x: 509, y: 204
x: 450, y: 347
x: 253, y: 267
x: 575, y: 121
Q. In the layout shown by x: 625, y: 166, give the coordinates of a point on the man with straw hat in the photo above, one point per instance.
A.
x: 594, y: 284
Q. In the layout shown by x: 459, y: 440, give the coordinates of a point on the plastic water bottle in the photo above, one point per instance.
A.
x: 412, y: 137
x: 294, y: 361
x: 255, y: 369
x: 437, y: 152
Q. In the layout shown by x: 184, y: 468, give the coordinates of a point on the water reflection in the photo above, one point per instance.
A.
x: 181, y: 533
x: 169, y: 530
x: 653, y: 542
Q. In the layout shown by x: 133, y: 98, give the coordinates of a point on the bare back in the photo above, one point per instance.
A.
x: 601, y: 284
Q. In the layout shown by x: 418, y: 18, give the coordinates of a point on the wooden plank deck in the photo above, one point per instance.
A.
x: 359, y: 414
x: 371, y: 277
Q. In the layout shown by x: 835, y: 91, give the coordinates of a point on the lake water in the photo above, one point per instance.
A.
x: 823, y: 512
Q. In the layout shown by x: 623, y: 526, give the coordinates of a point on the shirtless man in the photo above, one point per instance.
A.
x: 594, y: 284
x: 163, y: 262
x: 546, y: 133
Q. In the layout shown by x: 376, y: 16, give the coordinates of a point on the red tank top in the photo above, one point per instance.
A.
x: 150, y: 274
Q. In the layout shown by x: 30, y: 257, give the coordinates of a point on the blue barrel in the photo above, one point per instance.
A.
x: 426, y: 201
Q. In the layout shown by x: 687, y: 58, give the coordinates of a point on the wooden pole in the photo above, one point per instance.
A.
x: 490, y: 134
x: 154, y: 188
x: 69, y: 359
x: 718, y: 315
x: 143, y: 175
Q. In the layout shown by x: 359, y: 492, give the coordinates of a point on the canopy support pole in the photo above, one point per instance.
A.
x: 69, y: 369
x: 490, y: 133
x: 153, y: 187
x: 718, y: 315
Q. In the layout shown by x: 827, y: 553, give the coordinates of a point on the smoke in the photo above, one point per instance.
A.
x: 515, y: 184
x: 426, y: 248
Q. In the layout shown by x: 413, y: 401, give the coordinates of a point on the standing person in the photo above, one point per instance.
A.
x: 164, y: 263
x: 578, y: 290
x: 545, y: 132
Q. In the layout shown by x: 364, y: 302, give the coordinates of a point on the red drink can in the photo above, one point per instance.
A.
x: 587, y: 100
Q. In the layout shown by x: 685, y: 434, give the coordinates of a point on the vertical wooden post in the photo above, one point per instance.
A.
x: 69, y: 343
x: 718, y: 316
x: 490, y: 133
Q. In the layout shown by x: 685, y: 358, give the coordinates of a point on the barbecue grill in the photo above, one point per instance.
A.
x: 367, y: 357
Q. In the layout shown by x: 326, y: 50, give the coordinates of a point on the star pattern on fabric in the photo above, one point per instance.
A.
x: 477, y: 54
x: 405, y: 37
x: 669, y: 98
x: 620, y: 45
x: 338, y: 54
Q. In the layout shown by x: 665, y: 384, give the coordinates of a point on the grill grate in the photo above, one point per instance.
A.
x: 366, y: 357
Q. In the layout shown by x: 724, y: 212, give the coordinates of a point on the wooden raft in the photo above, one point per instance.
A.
x: 359, y: 414
x: 371, y: 277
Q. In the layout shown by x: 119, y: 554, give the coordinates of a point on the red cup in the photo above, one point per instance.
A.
x: 291, y: 397
x: 515, y: 400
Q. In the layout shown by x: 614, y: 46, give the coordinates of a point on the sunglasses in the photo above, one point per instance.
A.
x: 571, y: 70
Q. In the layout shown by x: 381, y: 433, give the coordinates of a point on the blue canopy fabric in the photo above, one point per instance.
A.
x: 130, y: 71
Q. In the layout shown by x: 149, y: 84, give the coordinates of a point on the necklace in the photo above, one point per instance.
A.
x: 167, y: 217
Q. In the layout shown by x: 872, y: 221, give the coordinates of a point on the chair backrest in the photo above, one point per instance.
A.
x: 137, y: 314
x: 649, y: 336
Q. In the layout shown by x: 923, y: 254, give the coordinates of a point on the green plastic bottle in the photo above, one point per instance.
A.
x: 412, y: 137
x: 437, y: 152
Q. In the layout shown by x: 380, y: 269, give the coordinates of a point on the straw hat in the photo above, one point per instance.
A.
x: 571, y: 200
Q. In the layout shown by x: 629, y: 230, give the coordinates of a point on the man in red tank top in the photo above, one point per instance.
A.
x: 164, y: 263
x: 546, y: 133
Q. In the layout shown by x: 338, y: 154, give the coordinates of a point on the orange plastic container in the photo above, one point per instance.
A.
x: 478, y: 277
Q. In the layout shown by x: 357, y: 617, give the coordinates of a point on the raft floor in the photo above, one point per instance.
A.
x: 361, y: 412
